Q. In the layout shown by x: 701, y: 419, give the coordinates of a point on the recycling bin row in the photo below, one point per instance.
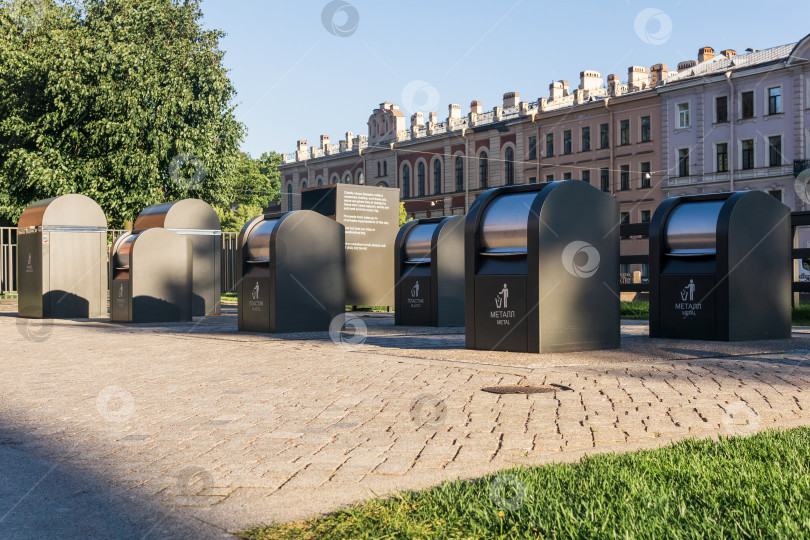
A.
x: 531, y: 268
x: 166, y: 269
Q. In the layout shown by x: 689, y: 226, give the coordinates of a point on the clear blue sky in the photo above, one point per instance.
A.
x: 296, y: 80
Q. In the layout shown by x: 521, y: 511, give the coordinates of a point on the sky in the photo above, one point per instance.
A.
x: 310, y: 67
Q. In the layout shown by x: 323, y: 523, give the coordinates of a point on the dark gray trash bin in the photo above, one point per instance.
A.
x: 429, y: 263
x: 62, y: 259
x: 542, y: 269
x: 151, y: 277
x: 293, y: 273
x: 720, y: 268
x: 196, y: 220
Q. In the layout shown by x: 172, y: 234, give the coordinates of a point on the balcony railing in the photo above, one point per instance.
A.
x: 800, y: 165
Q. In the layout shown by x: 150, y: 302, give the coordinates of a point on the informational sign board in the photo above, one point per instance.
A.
x: 370, y: 215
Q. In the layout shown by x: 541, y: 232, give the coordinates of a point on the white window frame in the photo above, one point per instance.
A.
x: 714, y: 156
x: 767, y: 137
x: 678, y: 113
x: 781, y: 193
x: 767, y: 92
x: 740, y: 153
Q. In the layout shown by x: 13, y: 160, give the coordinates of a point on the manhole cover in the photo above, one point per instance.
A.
x: 525, y: 389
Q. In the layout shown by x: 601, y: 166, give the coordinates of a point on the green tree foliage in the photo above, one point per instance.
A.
x: 126, y: 101
x: 256, y: 186
x: 403, y: 215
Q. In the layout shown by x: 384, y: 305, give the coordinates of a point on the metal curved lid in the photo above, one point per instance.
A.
x: 123, y: 252
x: 189, y: 214
x: 504, y: 227
x: 257, y: 248
x: 691, y: 229
x: 417, y: 243
x: 74, y: 210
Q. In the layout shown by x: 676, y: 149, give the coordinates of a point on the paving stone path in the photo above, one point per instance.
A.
x: 195, y: 429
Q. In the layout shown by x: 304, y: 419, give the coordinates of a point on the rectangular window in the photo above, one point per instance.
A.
x: 586, y: 176
x: 774, y: 100
x: 549, y: 178
x: 683, y: 162
x: 567, y: 176
x: 646, y: 131
x: 625, y: 177
x: 567, y: 141
x: 683, y: 115
x: 747, y: 104
x: 604, y: 179
x: 645, y: 174
x: 625, y: 216
x: 624, y: 132
x: 586, y: 139
x: 748, y: 154
x: 645, y: 216
x: 532, y: 147
x: 775, y: 151
x: 776, y: 194
x: 604, y: 136
x: 549, y: 144
x: 721, y: 160
x: 532, y: 179
x: 721, y: 109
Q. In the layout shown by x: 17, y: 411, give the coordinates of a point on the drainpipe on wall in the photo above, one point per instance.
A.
x: 611, y: 140
x: 466, y: 171
x: 732, y: 143
x: 362, y: 155
x: 537, y: 144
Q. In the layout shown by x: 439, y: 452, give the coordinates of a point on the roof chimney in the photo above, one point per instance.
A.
x: 686, y: 64
x: 476, y: 107
x: 704, y: 54
x: 729, y: 53
x: 658, y: 74
x: 324, y: 141
x: 510, y: 99
x: 454, y: 110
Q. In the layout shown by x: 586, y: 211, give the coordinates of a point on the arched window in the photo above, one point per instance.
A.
x: 335, y: 179
x: 289, y: 197
x: 459, y: 174
x: 406, y: 181
x: 304, y: 184
x: 320, y: 181
x: 385, y: 168
x: 483, y: 170
x: 361, y: 178
x: 437, y: 176
x: 348, y: 178
x: 378, y: 168
x: 509, y: 173
x: 420, y: 179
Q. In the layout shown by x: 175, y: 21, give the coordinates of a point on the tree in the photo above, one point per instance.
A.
x: 256, y: 186
x: 126, y: 101
x: 403, y: 215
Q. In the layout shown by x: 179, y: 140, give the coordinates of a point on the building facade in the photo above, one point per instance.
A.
x: 721, y: 122
x: 738, y: 122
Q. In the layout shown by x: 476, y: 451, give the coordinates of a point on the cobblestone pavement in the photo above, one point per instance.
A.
x: 197, y: 425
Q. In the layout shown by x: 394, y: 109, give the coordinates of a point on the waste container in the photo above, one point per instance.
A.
x: 720, y: 268
x: 196, y: 220
x: 429, y: 262
x: 542, y: 269
x: 293, y: 272
x: 62, y: 259
x: 151, y: 277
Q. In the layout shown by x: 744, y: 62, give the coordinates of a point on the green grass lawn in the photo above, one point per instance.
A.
x: 755, y: 487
